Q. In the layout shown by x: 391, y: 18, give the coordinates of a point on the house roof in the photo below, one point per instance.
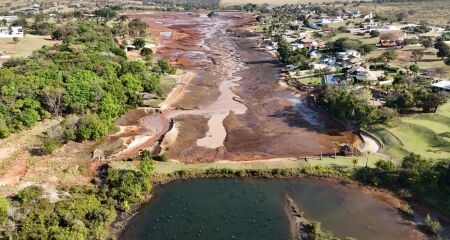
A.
x: 442, y: 84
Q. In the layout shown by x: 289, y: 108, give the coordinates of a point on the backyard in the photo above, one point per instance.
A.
x: 427, y: 134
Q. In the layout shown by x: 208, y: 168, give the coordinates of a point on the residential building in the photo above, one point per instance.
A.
x: 362, y: 74
x: 443, y: 85
x: 9, y: 19
x: 11, y: 32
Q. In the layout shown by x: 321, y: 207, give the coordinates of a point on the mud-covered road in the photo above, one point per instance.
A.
x: 235, y: 106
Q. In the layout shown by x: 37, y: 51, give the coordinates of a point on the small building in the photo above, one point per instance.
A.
x: 9, y: 19
x: 441, y: 86
x: 362, y: 74
x: 130, y: 47
x: 348, y: 53
x: 368, y: 16
x: 11, y: 32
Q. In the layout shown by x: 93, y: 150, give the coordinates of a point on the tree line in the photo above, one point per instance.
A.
x: 87, y: 79
x: 85, y: 213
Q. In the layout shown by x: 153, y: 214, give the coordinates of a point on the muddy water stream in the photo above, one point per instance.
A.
x: 234, y: 106
x: 254, y: 209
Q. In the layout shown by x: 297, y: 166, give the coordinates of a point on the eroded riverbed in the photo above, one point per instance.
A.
x: 233, y: 105
x: 254, y: 209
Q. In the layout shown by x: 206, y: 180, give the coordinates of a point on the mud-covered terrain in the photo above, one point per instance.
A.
x: 231, y: 104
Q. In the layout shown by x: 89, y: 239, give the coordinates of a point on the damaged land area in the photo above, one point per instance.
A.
x: 235, y: 106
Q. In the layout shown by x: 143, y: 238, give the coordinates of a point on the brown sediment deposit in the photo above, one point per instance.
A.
x: 232, y: 106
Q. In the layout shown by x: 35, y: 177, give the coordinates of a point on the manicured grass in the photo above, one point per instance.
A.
x: 426, y: 134
x: 311, y: 80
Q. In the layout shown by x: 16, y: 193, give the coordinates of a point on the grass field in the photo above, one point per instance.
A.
x: 26, y: 45
x: 172, y: 166
x: 365, y: 39
x: 427, y: 134
x: 311, y: 80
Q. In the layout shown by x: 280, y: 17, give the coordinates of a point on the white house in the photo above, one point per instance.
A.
x: 441, y: 85
x: 12, y: 32
x: 323, y: 21
x: 9, y: 19
x: 349, y: 53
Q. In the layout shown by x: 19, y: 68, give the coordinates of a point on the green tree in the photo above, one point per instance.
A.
x: 355, y: 161
x: 82, y: 89
x: 415, y: 69
x: 443, y: 49
x: 91, y: 127
x: 417, y: 55
x: 427, y: 43
x: 139, y: 43
x: 390, y: 55
x: 146, y: 52
x: 385, y: 165
x: 374, y: 33
x: 147, y: 166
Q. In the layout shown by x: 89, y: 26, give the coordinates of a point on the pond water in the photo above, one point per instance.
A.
x: 254, y: 209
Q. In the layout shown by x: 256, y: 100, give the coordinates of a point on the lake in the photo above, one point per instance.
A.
x: 254, y: 209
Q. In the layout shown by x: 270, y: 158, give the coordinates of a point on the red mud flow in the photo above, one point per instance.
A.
x: 234, y: 108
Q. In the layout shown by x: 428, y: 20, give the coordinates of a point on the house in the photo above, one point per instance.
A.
x: 130, y: 47
x: 356, y: 14
x: 362, y: 74
x: 297, y: 45
x: 348, y: 53
x: 9, y: 19
x: 441, y: 86
x: 391, y: 38
x: 323, y: 21
x: 371, y: 25
x: 315, y: 54
x: 368, y: 16
x: 12, y: 32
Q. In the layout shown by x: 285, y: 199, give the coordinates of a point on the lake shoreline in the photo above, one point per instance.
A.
x: 337, y: 177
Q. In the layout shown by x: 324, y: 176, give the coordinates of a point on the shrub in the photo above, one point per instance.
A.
x: 29, y: 194
x: 91, y: 127
x: 146, y: 52
x: 139, y: 43
x: 431, y: 225
x: 49, y: 145
x: 4, y: 131
x: 161, y: 158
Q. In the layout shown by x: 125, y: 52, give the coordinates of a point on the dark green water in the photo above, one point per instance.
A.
x: 254, y: 209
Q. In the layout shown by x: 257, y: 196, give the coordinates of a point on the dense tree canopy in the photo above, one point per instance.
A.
x: 86, y: 74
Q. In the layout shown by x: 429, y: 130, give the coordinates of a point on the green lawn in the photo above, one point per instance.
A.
x: 427, y: 134
x: 311, y: 80
x: 365, y: 39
